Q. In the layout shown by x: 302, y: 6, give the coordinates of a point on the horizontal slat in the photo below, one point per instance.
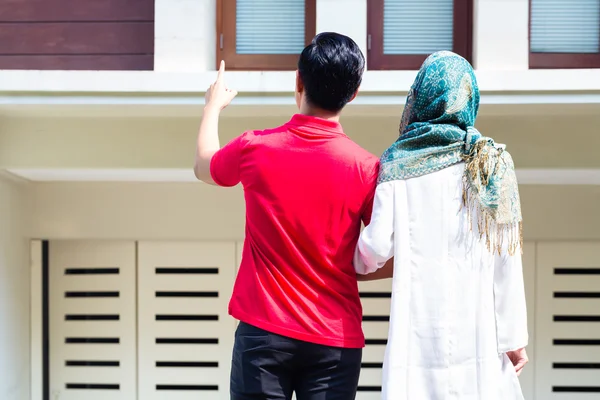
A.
x: 565, y: 26
x: 75, y: 62
x: 92, y: 364
x: 417, y: 27
x: 69, y: 10
x: 85, y: 38
x: 268, y: 27
x: 583, y: 271
x: 187, y: 364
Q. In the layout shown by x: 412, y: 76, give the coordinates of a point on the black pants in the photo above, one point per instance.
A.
x: 267, y: 366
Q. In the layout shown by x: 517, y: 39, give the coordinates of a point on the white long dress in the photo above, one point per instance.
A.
x: 456, y: 307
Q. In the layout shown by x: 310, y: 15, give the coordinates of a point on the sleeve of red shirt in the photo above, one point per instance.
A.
x: 225, y: 163
x: 372, y: 184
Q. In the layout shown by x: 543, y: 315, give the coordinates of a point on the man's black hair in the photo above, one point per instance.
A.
x: 331, y: 69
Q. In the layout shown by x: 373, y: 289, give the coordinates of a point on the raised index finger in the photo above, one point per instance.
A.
x: 221, y: 71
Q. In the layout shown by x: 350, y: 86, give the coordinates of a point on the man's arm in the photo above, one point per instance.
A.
x: 217, y: 98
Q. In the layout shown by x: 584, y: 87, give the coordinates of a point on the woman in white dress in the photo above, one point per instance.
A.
x: 447, y: 211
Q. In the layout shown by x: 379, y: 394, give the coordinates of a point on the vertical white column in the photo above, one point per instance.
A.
x: 15, y: 371
x: 185, y: 35
x: 501, y: 35
x: 348, y: 17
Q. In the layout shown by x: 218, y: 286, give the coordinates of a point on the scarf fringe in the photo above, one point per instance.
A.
x: 495, y: 234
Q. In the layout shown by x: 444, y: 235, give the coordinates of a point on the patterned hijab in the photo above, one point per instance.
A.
x: 437, y: 131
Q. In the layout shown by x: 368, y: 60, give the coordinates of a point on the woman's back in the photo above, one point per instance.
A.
x: 444, y: 339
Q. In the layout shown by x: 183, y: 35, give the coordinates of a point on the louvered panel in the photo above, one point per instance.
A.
x: 417, y: 26
x: 270, y: 27
x: 92, y: 339
x: 560, y: 26
x: 567, y: 360
x: 185, y: 332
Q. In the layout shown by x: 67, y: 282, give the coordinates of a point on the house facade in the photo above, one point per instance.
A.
x: 116, y: 265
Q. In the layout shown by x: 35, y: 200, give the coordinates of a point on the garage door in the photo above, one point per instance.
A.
x: 152, y: 318
x: 567, y: 357
x: 92, y: 320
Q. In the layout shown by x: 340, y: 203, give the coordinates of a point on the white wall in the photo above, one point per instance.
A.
x: 501, y: 34
x: 14, y: 291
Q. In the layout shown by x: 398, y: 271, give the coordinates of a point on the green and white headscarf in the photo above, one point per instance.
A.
x: 437, y: 131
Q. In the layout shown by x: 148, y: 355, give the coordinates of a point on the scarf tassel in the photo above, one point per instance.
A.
x: 481, y: 165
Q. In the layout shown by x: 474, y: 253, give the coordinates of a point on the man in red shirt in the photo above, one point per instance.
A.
x: 307, y: 187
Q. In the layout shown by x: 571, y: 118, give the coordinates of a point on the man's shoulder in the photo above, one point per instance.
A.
x: 361, y: 154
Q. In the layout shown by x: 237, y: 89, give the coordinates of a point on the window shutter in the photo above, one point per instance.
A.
x: 565, y: 26
x: 417, y: 26
x: 270, y: 27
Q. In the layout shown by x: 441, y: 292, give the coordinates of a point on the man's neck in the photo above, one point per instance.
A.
x: 328, y: 115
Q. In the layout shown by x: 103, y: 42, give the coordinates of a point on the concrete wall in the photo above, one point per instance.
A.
x: 535, y: 141
x: 14, y: 290
x: 202, y: 212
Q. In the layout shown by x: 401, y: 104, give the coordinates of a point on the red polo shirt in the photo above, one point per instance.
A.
x: 307, y: 188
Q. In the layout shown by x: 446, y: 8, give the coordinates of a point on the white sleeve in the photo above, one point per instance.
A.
x: 509, y: 302
x: 376, y: 243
